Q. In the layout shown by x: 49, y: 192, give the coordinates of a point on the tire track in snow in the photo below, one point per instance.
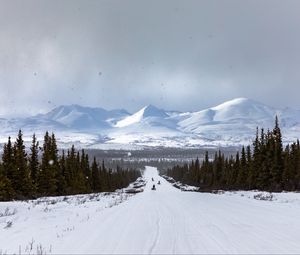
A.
x: 156, y: 234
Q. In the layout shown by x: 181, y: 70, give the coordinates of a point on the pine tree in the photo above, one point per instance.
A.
x: 80, y: 178
x: 236, y: 168
x: 24, y: 182
x: 71, y: 171
x: 61, y: 175
x: 263, y: 178
x: 85, y: 166
x: 249, y: 167
x: 6, y: 191
x: 8, y: 162
x: 34, y: 162
x: 55, y: 167
x: 242, y: 173
x: 96, y: 185
x: 287, y: 173
x: 256, y: 163
x: 277, y: 169
x: 47, y: 183
x: 297, y: 167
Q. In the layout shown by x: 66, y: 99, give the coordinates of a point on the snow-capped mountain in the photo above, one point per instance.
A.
x: 79, y: 117
x: 149, y: 116
x: 240, y: 112
x: 231, y: 123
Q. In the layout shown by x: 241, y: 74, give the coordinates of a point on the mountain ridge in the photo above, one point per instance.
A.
x: 230, y: 123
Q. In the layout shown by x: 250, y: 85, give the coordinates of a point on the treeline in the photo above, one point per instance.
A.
x: 43, y: 172
x: 264, y: 166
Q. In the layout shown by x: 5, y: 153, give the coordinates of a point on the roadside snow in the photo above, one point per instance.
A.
x: 39, y: 226
x: 179, y: 185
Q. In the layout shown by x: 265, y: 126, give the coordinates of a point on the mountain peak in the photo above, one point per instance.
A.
x: 152, y: 111
x: 149, y: 111
x: 235, y: 102
x: 242, y: 108
x: 84, y: 117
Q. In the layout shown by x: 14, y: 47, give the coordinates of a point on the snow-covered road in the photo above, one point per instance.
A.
x: 168, y: 221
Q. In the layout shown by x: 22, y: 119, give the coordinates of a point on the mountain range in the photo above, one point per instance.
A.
x: 232, y: 123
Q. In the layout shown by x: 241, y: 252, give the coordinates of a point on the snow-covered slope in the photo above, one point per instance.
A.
x: 228, y: 124
x: 240, y: 110
x: 78, y: 117
x: 149, y: 114
x: 165, y: 221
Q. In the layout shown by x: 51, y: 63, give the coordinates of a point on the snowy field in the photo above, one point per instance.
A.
x: 153, y: 222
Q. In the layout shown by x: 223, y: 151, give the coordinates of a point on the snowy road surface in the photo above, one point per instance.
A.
x: 168, y: 221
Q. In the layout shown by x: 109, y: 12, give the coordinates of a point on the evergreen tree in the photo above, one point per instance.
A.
x: 8, y: 162
x: 24, y: 182
x: 61, y: 179
x: 6, y: 191
x: 47, y: 183
x: 80, y: 180
x: 242, y: 173
x: 287, y: 173
x: 256, y: 163
x: 249, y: 168
x: 34, y: 161
x: 85, y: 166
x: 296, y: 180
x: 263, y: 178
x: 96, y: 185
x: 277, y: 169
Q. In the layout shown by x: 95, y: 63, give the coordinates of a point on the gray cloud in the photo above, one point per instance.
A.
x: 183, y: 55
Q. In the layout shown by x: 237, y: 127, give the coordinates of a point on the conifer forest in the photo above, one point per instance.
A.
x: 265, y: 166
x: 43, y: 172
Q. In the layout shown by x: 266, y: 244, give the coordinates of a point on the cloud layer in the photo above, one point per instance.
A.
x: 183, y: 55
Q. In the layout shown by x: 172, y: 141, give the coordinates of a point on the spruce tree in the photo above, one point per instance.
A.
x: 242, y: 173
x: 263, y: 177
x: 287, y: 173
x: 34, y: 161
x: 47, y: 183
x: 24, y: 182
x: 8, y: 162
x: 96, y: 185
x: 85, y: 166
x: 256, y: 163
x: 6, y: 191
x: 277, y: 169
x: 61, y: 175
x: 249, y: 168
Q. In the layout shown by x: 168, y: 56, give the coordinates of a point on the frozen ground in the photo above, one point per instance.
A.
x: 163, y: 221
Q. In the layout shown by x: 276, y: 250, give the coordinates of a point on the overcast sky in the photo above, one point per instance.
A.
x: 180, y: 55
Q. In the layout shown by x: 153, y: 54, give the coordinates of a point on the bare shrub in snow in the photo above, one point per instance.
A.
x: 29, y: 247
x: 40, y: 250
x: 8, y: 224
x: 264, y: 196
x: 8, y: 212
x: 46, y: 209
